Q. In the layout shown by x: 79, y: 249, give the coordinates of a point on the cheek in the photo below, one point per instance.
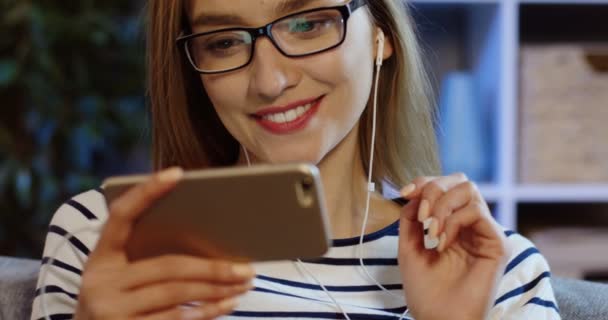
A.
x: 349, y: 70
x: 349, y: 63
x: 224, y: 92
x: 228, y: 96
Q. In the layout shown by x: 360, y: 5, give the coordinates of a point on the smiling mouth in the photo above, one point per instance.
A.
x: 290, y: 118
x: 289, y: 115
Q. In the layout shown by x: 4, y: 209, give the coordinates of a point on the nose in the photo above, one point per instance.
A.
x: 272, y: 73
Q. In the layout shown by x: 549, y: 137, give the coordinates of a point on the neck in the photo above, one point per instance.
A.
x: 345, y: 187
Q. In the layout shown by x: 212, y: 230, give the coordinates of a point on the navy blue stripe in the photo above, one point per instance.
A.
x: 59, y: 316
x: 316, y: 315
x: 258, y: 289
x: 55, y: 289
x: 75, y: 241
x: 390, y: 230
x: 84, y: 210
x: 525, y: 288
x: 520, y: 258
x: 354, y: 261
x: 264, y: 290
x: 331, y: 288
x: 544, y: 303
x: 62, y: 265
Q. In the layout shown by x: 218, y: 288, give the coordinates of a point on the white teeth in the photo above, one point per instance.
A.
x: 280, y: 118
x: 300, y: 111
x: 288, y: 116
x: 291, y: 115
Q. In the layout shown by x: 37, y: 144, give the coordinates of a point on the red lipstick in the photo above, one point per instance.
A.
x: 291, y: 126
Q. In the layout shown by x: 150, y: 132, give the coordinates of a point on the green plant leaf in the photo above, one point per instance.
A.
x: 8, y: 72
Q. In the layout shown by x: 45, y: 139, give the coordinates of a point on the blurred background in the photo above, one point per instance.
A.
x: 72, y: 106
x: 522, y: 92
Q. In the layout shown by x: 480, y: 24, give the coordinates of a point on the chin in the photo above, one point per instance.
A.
x: 288, y: 158
x: 291, y: 151
x: 299, y: 155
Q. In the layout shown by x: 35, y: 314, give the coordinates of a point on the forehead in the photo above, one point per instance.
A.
x: 249, y: 12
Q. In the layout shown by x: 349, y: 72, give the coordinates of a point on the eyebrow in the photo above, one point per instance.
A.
x: 229, y: 19
x: 291, y: 5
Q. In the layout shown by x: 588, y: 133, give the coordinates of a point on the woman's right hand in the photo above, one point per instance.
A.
x: 156, y: 288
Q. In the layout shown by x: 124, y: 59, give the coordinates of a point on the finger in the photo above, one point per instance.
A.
x: 413, y: 190
x: 172, y: 268
x: 474, y: 216
x: 206, y: 311
x: 434, y: 190
x: 410, y: 234
x: 409, y: 211
x: 454, y: 199
x: 128, y: 207
x: 169, y: 294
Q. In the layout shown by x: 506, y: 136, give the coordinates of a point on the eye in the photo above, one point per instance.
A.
x: 223, y: 44
x: 303, y: 25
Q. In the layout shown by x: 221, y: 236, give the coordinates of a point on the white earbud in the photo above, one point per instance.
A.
x: 380, y: 44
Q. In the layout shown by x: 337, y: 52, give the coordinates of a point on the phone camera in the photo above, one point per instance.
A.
x: 307, y: 184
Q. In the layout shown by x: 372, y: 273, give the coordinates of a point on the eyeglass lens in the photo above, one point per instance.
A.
x: 298, y: 35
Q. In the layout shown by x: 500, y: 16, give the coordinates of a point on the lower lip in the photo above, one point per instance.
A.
x: 292, y: 126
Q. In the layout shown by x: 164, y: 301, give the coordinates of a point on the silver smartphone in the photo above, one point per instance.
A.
x: 257, y: 213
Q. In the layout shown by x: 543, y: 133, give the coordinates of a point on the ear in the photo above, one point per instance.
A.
x: 387, y: 52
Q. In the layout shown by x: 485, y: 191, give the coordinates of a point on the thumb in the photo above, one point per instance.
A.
x: 126, y: 209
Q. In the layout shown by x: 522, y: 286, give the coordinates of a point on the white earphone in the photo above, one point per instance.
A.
x: 380, y: 43
x: 370, y: 188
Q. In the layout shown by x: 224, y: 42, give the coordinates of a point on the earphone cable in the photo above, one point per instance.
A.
x: 303, y: 266
x: 371, y: 187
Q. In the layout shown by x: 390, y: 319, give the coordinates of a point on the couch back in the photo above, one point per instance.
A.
x: 18, y: 278
x: 577, y: 300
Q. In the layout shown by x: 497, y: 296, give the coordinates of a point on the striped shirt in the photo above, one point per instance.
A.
x: 286, y: 289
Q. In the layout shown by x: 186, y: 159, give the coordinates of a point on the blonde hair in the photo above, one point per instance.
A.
x: 187, y: 131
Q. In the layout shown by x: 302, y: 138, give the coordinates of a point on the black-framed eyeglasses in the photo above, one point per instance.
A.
x: 296, y: 35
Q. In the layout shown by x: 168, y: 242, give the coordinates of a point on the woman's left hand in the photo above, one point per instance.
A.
x: 458, y: 279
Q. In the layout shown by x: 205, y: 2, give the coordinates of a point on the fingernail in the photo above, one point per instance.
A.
x: 407, y: 190
x: 191, y: 313
x: 423, y: 210
x: 426, y: 224
x: 434, y: 225
x: 170, y: 175
x: 429, y: 242
x: 430, y: 227
x: 243, y: 270
x: 442, y: 240
x: 228, y: 304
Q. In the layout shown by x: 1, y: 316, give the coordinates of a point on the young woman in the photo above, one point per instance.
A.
x: 272, y: 81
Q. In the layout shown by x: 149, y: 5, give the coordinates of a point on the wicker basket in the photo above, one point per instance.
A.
x: 564, y: 114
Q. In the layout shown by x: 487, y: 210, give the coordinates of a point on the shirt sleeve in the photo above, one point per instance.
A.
x: 525, y: 291
x: 62, y: 261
